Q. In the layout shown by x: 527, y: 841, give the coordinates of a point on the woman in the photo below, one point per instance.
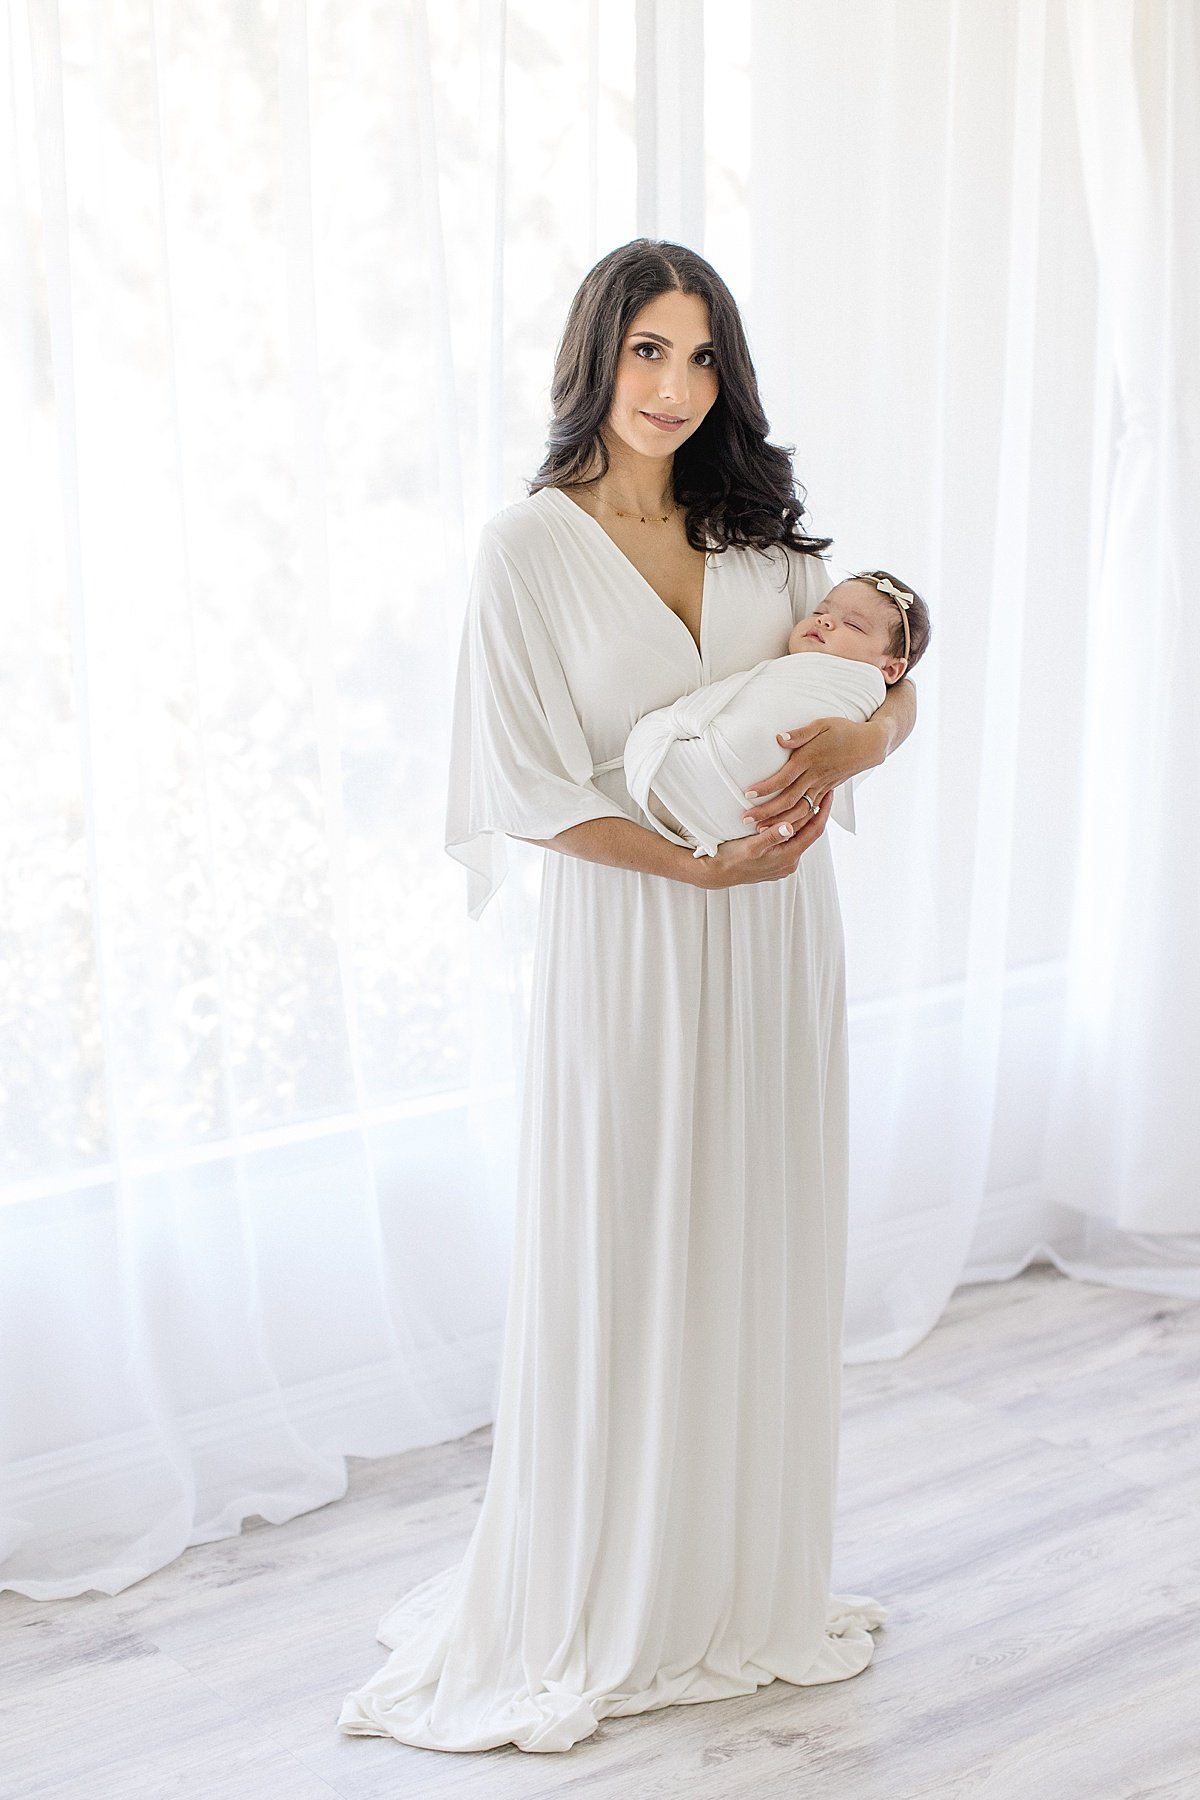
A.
x: 657, y: 1522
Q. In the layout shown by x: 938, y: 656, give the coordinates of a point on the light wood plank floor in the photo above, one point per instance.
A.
x: 1022, y: 1491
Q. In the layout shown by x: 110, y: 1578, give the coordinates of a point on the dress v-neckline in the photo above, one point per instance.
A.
x: 696, y: 642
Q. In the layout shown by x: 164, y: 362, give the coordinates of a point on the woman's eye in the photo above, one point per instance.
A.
x: 709, y: 357
x: 652, y: 348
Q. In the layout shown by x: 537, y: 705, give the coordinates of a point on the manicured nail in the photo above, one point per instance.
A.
x: 785, y: 737
x: 785, y: 831
x: 752, y: 793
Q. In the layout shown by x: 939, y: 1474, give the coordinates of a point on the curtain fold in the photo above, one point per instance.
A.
x: 278, y: 313
x: 1124, y: 1148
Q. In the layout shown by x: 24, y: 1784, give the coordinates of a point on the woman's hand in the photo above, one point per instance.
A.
x: 765, y: 855
x: 823, y: 755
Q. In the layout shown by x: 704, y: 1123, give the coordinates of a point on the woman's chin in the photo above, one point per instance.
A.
x: 648, y: 440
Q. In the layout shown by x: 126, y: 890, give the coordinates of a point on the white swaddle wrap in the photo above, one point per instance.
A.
x: 697, y: 757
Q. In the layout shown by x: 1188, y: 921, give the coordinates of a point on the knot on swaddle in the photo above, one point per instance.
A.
x: 684, y: 719
x: 691, y: 713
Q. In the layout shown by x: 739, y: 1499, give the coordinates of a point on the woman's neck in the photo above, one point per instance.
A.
x: 641, y: 484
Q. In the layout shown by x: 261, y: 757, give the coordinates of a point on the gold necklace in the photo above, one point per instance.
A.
x: 655, y: 518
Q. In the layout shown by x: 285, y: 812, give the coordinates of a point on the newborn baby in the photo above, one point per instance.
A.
x: 689, y: 765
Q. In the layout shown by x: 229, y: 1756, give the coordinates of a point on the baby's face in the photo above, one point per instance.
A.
x: 854, y: 620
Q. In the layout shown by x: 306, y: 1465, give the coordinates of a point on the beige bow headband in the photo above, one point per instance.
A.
x: 903, y: 601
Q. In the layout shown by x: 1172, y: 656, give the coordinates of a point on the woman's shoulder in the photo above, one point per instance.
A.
x: 803, y: 573
x: 519, y: 556
x: 522, y: 527
x: 807, y: 575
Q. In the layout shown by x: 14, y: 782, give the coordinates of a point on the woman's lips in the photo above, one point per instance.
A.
x: 664, y: 421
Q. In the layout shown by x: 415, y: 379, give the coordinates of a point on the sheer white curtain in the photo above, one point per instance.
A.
x: 972, y: 285
x: 280, y: 295
x: 279, y: 304
x: 1125, y: 1128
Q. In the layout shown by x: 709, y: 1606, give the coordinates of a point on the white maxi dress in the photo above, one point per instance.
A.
x: 657, y: 1523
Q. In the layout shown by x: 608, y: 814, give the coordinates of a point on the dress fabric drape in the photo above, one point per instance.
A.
x: 658, y: 1518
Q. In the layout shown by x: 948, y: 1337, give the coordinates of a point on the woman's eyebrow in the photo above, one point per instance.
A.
x: 666, y: 341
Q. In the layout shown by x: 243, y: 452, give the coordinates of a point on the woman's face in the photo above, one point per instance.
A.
x: 666, y: 376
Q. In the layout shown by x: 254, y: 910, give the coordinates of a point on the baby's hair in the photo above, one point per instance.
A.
x: 918, y: 617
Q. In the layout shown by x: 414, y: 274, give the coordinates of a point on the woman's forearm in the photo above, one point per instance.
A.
x: 895, y: 716
x: 759, y: 856
x: 624, y: 844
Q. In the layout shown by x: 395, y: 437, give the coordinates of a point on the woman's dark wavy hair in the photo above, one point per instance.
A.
x: 737, y: 488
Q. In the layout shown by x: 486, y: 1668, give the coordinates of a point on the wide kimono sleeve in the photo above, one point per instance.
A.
x: 809, y: 580
x: 519, y: 761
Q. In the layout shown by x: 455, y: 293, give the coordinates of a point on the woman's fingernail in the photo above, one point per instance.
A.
x: 752, y: 793
x: 785, y: 831
x: 785, y: 737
